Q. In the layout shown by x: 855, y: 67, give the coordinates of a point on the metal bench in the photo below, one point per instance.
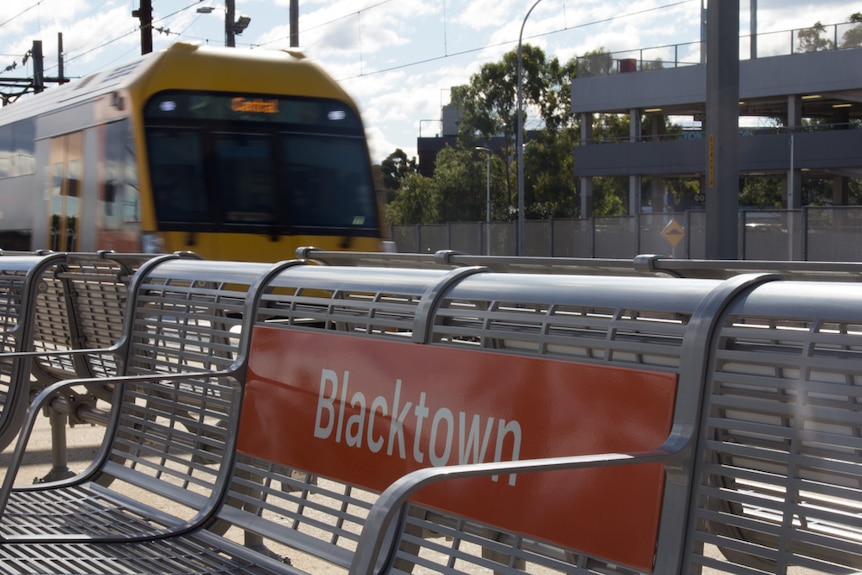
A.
x: 172, y: 425
x: 77, y: 320
x: 54, y: 306
x: 657, y: 425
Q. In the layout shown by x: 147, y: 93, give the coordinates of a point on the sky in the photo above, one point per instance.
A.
x: 397, y: 58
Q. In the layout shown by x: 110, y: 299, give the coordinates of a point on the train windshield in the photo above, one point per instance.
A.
x: 259, y: 164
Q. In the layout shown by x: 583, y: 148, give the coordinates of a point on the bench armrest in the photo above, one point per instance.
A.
x: 376, y: 541
x: 50, y: 393
x: 16, y: 401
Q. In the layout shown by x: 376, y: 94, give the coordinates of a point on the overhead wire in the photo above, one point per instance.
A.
x: 21, y: 13
x: 363, y: 72
x: 135, y: 30
x: 566, y: 28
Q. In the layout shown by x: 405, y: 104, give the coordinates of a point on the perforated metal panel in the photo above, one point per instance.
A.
x: 779, y: 485
x: 188, y: 316
x: 80, y: 304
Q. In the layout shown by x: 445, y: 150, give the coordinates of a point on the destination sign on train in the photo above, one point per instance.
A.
x: 255, y: 105
x: 252, y: 108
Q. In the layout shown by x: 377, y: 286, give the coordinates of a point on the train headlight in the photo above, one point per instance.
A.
x: 152, y: 243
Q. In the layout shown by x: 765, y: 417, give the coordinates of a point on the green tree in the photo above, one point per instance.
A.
x: 762, y: 192
x: 816, y: 191
x: 812, y: 40
x: 489, y: 103
x: 852, y: 37
x: 548, y: 174
x: 595, y: 63
x: 414, y: 201
x: 394, y: 169
x: 460, y: 186
x: 608, y: 194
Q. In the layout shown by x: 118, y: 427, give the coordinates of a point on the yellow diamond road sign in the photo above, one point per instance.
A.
x: 673, y: 233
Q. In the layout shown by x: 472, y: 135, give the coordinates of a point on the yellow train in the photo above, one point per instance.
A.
x: 234, y: 154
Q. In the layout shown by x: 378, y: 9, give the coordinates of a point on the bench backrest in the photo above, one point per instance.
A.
x: 779, y: 470
x: 175, y: 408
x: 18, y: 284
x: 54, y: 303
x: 79, y: 305
x: 359, y: 375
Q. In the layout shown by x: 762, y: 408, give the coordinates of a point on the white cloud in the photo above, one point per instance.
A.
x: 397, y: 58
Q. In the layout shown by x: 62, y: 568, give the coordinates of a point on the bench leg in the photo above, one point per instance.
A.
x: 59, y: 452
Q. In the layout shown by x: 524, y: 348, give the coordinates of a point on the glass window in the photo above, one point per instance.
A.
x: 327, y: 179
x: 176, y: 169
x: 17, y: 149
x: 120, y: 197
x: 6, y: 151
x: 244, y: 165
x: 24, y: 151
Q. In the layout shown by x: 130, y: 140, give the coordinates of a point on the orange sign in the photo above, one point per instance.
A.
x: 256, y: 105
x: 367, y: 411
x: 673, y: 233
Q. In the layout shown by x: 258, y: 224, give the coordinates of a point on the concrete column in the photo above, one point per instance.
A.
x: 586, y: 182
x: 840, y: 190
x: 586, y: 128
x: 586, y: 197
x: 722, y: 130
x: 657, y: 195
x: 635, y: 129
x: 635, y: 181
x: 793, y: 182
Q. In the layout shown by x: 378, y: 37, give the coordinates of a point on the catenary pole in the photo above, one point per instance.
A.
x: 519, y: 139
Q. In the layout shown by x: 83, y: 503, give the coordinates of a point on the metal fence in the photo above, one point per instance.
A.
x: 832, y: 234
x: 781, y: 43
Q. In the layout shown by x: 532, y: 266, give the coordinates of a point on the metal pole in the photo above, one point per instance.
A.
x: 38, y: 67
x: 487, y: 200
x: 145, y: 15
x: 294, y: 23
x: 791, y: 183
x: 229, y: 18
x: 702, y: 32
x: 753, y: 27
x: 520, y: 137
x: 60, y: 71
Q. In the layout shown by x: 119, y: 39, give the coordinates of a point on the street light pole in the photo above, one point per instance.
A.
x: 487, y: 200
x: 519, y: 141
x: 229, y: 16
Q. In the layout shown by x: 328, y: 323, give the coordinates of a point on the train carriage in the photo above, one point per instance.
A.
x: 234, y: 154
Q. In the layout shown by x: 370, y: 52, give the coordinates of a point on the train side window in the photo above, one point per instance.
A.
x: 120, y: 196
x: 6, y: 151
x: 24, y: 148
x: 17, y: 149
